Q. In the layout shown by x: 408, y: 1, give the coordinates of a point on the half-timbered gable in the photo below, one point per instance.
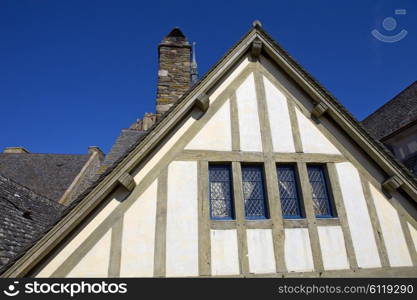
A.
x: 255, y: 171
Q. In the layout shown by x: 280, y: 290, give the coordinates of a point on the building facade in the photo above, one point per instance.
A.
x: 255, y: 171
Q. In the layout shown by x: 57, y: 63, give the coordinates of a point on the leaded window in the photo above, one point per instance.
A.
x: 254, y: 192
x: 320, y: 191
x: 220, y: 192
x: 288, y: 192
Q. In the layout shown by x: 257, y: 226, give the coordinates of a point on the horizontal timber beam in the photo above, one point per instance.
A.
x: 219, y: 156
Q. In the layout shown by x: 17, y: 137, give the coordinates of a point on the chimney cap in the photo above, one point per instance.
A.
x: 176, y: 32
x: 175, y: 38
x: 15, y: 150
x: 95, y: 149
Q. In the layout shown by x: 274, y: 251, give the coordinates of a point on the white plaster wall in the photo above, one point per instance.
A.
x: 229, y: 79
x: 279, y: 119
x: 297, y: 247
x: 286, y: 82
x: 96, y: 262
x: 392, y: 232
x: 224, y: 252
x: 182, y: 220
x: 216, y: 134
x: 77, y: 241
x: 333, y: 250
x: 358, y: 216
x: 138, y: 238
x: 140, y: 174
x: 312, y: 139
x: 249, y: 129
x: 260, y: 251
x: 413, y: 233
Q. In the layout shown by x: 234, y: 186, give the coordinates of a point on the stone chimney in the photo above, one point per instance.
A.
x: 174, y: 72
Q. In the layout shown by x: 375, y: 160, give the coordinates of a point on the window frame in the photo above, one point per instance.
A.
x: 232, y: 206
x: 328, y: 189
x: 266, y: 215
x: 300, y: 200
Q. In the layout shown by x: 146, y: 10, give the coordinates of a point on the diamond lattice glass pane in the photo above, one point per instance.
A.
x: 220, y: 192
x: 253, y: 192
x: 290, y: 203
x: 321, y: 200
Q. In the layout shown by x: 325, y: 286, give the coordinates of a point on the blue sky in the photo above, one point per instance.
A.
x: 73, y: 73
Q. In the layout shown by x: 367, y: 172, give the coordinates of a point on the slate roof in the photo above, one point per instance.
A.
x: 48, y: 175
x: 124, y: 142
x: 24, y: 217
x: 393, y: 115
x: 411, y: 163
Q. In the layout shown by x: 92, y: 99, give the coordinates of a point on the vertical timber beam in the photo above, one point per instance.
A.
x: 311, y: 217
x: 341, y: 213
x: 204, y: 244
x: 240, y: 218
x: 403, y: 216
x: 116, y: 248
x: 161, y: 225
x: 234, y: 119
x: 376, y: 226
x: 294, y: 126
x: 274, y: 203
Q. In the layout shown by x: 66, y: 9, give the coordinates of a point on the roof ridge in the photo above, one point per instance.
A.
x: 30, y: 153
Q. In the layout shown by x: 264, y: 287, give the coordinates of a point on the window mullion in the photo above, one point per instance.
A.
x: 310, y: 215
x: 240, y: 217
x: 275, y: 212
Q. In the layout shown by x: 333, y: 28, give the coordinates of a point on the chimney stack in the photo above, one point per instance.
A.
x: 174, y: 72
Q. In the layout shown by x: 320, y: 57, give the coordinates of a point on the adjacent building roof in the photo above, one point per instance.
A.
x: 393, y: 115
x: 24, y: 217
x: 48, y: 175
x: 124, y: 142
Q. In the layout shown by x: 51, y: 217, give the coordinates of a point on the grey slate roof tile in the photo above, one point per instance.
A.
x: 124, y: 142
x: 48, y: 175
x: 393, y: 115
x: 24, y: 217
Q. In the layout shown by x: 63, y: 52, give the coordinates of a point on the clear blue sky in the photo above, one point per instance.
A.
x: 74, y: 72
